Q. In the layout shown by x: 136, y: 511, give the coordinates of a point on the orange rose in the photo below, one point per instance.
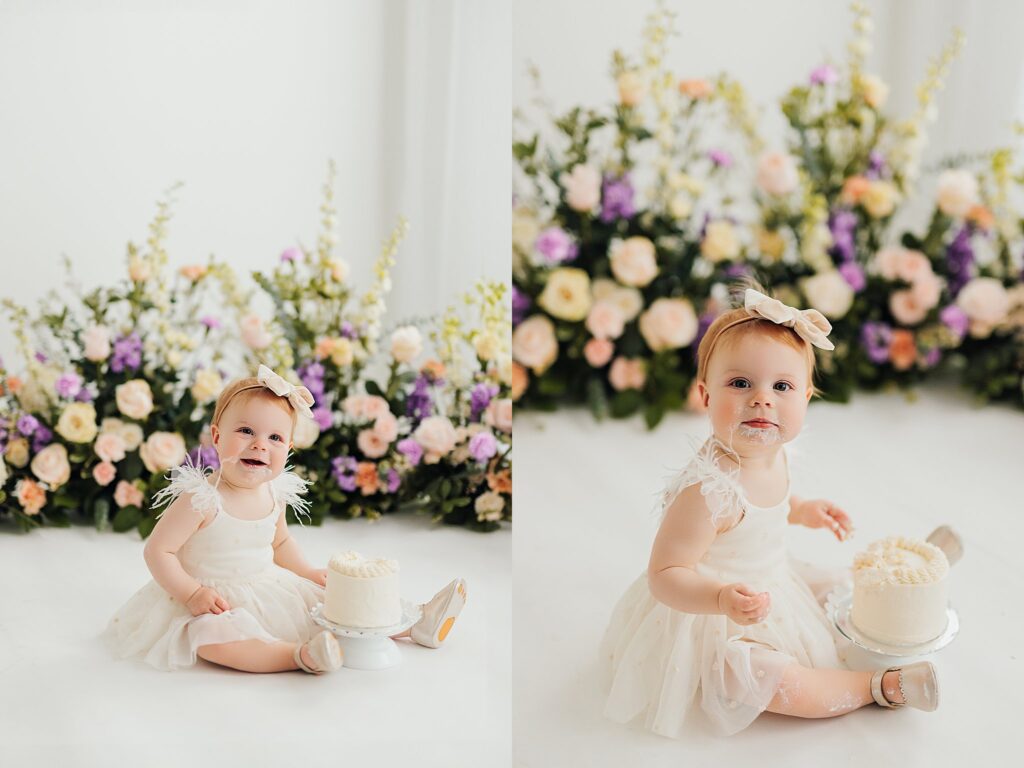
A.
x: 695, y: 88
x: 902, y: 349
x: 14, y: 383
x: 433, y: 368
x: 854, y: 189
x: 30, y: 495
x: 500, y: 482
x: 366, y: 477
x: 981, y: 216
x: 520, y: 380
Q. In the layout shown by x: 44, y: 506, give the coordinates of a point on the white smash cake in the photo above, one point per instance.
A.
x: 362, y: 592
x: 899, y: 591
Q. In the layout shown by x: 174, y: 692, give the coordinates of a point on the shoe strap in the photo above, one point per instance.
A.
x: 301, y: 663
x: 878, y: 694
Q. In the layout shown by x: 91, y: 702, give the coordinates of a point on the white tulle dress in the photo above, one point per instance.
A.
x: 664, y: 666
x: 236, y: 558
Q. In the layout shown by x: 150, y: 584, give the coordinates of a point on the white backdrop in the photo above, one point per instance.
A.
x: 107, y: 104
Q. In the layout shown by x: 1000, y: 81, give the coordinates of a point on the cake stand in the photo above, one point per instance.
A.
x: 838, y: 606
x: 369, y: 648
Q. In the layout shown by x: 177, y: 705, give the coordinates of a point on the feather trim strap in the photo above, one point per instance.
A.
x: 289, y: 488
x: 188, y: 478
x: 719, y: 487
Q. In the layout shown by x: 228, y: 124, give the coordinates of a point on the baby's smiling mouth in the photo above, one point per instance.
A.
x: 254, y: 463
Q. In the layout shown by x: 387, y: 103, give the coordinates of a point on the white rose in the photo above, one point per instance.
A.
x: 489, y: 506
x: 134, y: 399
x: 957, y: 193
x: 162, y: 450
x: 534, y: 344
x: 985, y: 302
x: 51, y: 465
x: 487, y: 346
x: 669, y: 324
x: 406, y: 343
x: 633, y: 261
x: 680, y: 206
x: 875, y: 90
x: 582, y: 188
x: 720, y: 242
x: 776, y: 173
x: 566, y: 294
x: 306, y: 432
x: 96, y: 340
x: 207, y: 386
x: 253, y: 333
x: 829, y: 293
x: 880, y: 198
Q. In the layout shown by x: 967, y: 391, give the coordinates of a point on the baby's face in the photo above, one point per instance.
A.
x: 252, y: 441
x: 757, y: 391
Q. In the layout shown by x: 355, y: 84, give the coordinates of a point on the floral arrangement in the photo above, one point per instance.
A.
x: 614, y: 285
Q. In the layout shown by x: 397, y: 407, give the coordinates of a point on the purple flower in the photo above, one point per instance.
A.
x: 520, y: 305
x: 311, y: 373
x: 932, y: 357
x: 127, y: 353
x: 720, y: 158
x: 291, y: 254
x: 735, y: 271
x: 41, y: 357
x: 960, y: 257
x: 347, y: 331
x: 412, y: 450
x: 955, y: 319
x: 68, y: 385
x: 875, y: 338
x: 419, y: 405
x: 323, y: 418
x: 205, y: 456
x: 483, y: 446
x: 479, y: 398
x: 876, y: 165
x: 394, y: 481
x: 42, y: 438
x: 842, y: 224
x: 85, y: 395
x: 210, y: 321
x: 616, y: 199
x: 853, y: 274
x: 556, y: 246
x: 824, y: 75
x: 703, y: 323
x: 343, y: 469
x: 27, y: 424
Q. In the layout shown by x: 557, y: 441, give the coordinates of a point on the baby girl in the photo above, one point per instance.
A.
x: 723, y: 620
x: 230, y: 585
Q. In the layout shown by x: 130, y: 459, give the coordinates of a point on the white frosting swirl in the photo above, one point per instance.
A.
x: 355, y: 565
x: 900, y: 560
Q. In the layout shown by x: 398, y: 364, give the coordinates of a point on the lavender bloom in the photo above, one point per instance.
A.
x: 344, y: 468
x: 932, y: 357
x: 960, y: 257
x: 853, y: 274
x: 210, y: 321
x: 703, y: 323
x: 616, y: 199
x: 824, y: 75
x: 737, y: 270
x: 955, y: 319
x: 520, y: 305
x: 876, y: 165
x: 68, y: 385
x: 394, y: 481
x: 419, y: 404
x: 312, y: 375
x: 720, y: 158
x: 27, y: 424
x: 323, y: 418
x: 291, y: 254
x: 42, y: 438
x: 483, y: 446
x: 205, y: 457
x: 85, y: 395
x: 875, y: 338
x: 127, y: 353
x: 556, y: 246
x: 347, y: 331
x: 842, y: 224
x: 41, y: 357
x: 412, y: 450
x: 479, y: 398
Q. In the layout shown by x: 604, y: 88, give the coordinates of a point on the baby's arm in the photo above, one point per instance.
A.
x: 685, y: 534
x: 287, y: 553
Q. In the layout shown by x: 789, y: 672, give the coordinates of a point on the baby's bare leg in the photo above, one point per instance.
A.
x: 805, y: 692
x: 253, y: 655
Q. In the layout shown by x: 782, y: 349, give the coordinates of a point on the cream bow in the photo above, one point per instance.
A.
x: 809, y: 324
x: 300, y: 397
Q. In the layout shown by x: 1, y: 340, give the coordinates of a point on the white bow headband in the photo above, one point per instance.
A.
x: 300, y: 397
x: 809, y: 324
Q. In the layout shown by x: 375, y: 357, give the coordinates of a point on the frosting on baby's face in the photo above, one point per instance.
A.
x: 252, y: 441
x: 756, y: 390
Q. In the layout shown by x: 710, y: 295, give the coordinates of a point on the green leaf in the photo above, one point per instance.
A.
x: 146, y: 526
x: 653, y: 414
x: 101, y: 513
x: 626, y: 403
x: 127, y: 518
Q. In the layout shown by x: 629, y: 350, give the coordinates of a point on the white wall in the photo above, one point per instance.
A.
x: 106, y: 104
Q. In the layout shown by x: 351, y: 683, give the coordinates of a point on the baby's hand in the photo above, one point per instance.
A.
x: 743, y: 605
x: 319, y: 576
x: 819, y: 513
x: 206, y: 600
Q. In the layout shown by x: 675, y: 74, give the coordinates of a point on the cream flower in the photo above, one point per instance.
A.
x: 720, y: 242
x: 77, y: 424
x: 51, y: 465
x: 17, y: 452
x: 874, y: 90
x: 3, y: 472
x: 985, y: 302
x: 162, y: 450
x: 134, y: 399
x: 306, y: 432
x: 96, y: 341
x: 776, y: 173
x: 525, y: 227
x: 130, y: 433
x: 110, y: 446
x: 566, y: 294
x: 582, y: 187
x: 957, y: 193
x: 633, y: 261
x: 534, y: 344
x: 487, y: 346
x: 342, y: 352
x: 829, y: 293
x: 669, y: 324
x: 880, y: 198
x: 632, y: 88
x: 139, y: 269
x: 499, y: 414
x: 254, y: 334
x: 406, y: 343
x: 339, y: 269
x: 207, y: 386
x: 605, y: 320
x: 489, y: 506
x: 437, y: 436
x: 365, y: 407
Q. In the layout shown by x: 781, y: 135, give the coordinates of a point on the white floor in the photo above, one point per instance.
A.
x: 584, y: 497
x: 64, y: 701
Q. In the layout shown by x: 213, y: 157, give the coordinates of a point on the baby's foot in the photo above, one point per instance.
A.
x: 439, y: 615
x: 915, y: 685
x: 319, y: 655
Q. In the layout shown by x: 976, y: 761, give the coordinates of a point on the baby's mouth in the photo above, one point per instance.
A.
x: 254, y: 463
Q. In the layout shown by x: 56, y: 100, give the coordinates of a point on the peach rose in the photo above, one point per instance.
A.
x: 367, y: 479
x: 127, y: 495
x: 720, y: 242
x: 957, y: 192
x: 985, y: 302
x: 499, y: 414
x: 30, y: 496
x: 905, y: 307
x: 695, y: 88
x: 162, y: 450
x: 902, y: 349
x: 853, y: 190
x: 534, y: 344
x: 880, y: 198
x: 669, y: 324
x: 605, y: 320
x: 96, y: 341
x: 51, y: 465
x: 130, y: 433
x: 434, y: 369
x: 371, y: 444
x: 981, y: 216
x: 598, y: 352
x: 134, y: 399
x: 193, y: 272
x: 582, y: 187
x: 110, y: 447
x: 500, y: 482
x: 254, y: 334
x: 927, y: 289
x: 633, y: 261
x: 365, y: 407
x: 629, y: 300
x: 829, y: 293
x: 776, y: 173
x: 437, y: 436
x: 489, y: 506
x: 520, y: 381
x: 104, y: 473
x: 386, y: 427
x: 627, y: 373
x: 17, y: 452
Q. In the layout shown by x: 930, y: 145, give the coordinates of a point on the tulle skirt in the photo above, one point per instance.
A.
x: 661, y: 666
x: 154, y: 627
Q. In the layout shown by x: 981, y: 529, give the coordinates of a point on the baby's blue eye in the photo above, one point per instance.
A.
x: 247, y: 430
x: 276, y: 437
x: 786, y: 386
x: 739, y: 383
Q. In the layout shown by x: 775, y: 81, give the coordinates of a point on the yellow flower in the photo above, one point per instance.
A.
x: 771, y: 244
x: 880, y: 199
x: 17, y: 452
x: 720, y: 242
x: 207, y: 386
x: 342, y: 353
x: 567, y: 294
x: 77, y: 424
x: 487, y: 346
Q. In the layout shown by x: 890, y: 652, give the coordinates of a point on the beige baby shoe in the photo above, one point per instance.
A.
x: 918, y: 684
x: 325, y: 652
x: 439, y: 615
x: 949, y: 541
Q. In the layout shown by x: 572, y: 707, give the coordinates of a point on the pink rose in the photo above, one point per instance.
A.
x: 499, y: 414
x: 386, y: 427
x: 582, y: 187
x: 51, y: 465
x: 30, y: 495
x: 927, y: 289
x: 627, y: 374
x: 906, y: 308
x: 895, y: 262
x: 371, y: 444
x: 110, y: 447
x: 104, y: 473
x: 534, y: 344
x: 127, y: 495
x: 605, y: 320
x: 633, y: 261
x: 253, y: 333
x: 669, y: 324
x: 365, y: 407
x: 598, y: 352
x: 985, y: 302
x: 162, y: 450
x: 96, y: 340
x: 776, y: 173
x: 437, y: 436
